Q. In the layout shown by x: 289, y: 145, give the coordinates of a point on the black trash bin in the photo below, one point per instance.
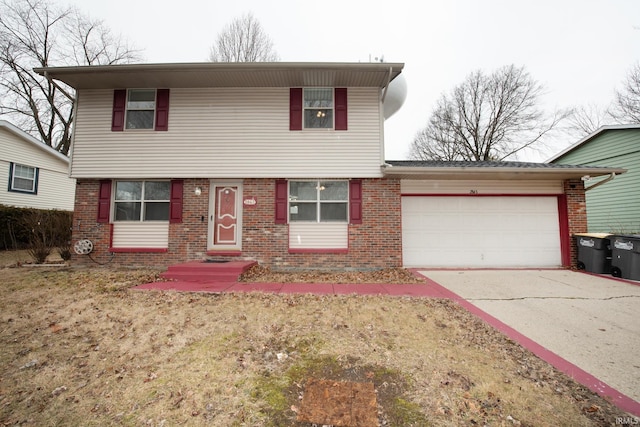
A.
x: 594, y: 252
x: 625, y: 256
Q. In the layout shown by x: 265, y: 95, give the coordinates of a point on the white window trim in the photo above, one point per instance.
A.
x: 34, y: 186
x: 332, y: 108
x: 127, y: 109
x: 318, y: 202
x: 143, y: 201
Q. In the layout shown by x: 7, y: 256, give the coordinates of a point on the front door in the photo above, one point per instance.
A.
x: 225, y: 216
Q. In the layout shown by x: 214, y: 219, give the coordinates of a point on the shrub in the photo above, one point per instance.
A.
x: 39, y: 231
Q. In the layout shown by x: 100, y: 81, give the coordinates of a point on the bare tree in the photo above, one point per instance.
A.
x: 35, y: 33
x: 487, y: 117
x: 585, y: 120
x: 626, y: 105
x: 243, y: 40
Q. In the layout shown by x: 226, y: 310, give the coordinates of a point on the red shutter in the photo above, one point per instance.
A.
x: 340, y: 99
x: 104, y: 201
x: 355, y: 201
x: 119, y: 104
x: 281, y: 201
x: 175, y: 201
x: 295, y: 108
x: 162, y: 109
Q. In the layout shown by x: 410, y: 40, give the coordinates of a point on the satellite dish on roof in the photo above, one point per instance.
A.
x: 396, y: 95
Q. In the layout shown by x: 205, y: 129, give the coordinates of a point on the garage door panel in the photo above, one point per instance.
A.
x: 481, y: 231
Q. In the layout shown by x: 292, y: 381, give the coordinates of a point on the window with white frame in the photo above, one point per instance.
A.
x: 141, y: 106
x: 319, y: 201
x: 142, y: 201
x: 23, y: 179
x: 318, y: 108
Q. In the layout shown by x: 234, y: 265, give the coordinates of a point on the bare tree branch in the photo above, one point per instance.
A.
x: 487, y: 117
x: 626, y: 105
x: 243, y: 40
x: 35, y: 33
x: 585, y: 120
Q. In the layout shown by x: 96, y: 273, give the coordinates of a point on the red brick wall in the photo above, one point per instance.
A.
x: 85, y: 225
x: 576, y: 212
x: 376, y: 243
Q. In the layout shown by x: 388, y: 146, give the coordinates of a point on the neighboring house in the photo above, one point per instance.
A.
x: 615, y: 206
x: 34, y: 174
x: 283, y: 163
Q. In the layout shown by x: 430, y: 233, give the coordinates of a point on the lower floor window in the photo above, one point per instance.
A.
x: 319, y: 201
x: 142, y: 201
x: 23, y: 178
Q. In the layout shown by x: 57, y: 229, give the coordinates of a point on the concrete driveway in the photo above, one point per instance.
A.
x: 591, y: 321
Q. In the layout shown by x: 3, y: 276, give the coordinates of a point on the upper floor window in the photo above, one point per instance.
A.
x: 141, y: 107
x: 319, y: 201
x: 318, y: 108
x: 23, y: 179
x: 142, y: 201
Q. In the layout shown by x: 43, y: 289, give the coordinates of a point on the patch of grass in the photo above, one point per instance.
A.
x: 402, y: 412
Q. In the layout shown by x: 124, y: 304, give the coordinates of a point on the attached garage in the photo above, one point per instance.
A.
x: 485, y: 231
x: 491, y: 214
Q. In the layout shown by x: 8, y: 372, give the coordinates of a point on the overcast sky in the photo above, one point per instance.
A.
x: 580, y: 50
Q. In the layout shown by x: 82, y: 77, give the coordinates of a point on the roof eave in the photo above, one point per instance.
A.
x: 479, y: 173
x: 225, y: 74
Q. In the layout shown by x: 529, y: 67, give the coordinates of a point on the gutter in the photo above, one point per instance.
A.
x: 417, y: 170
x: 597, y: 184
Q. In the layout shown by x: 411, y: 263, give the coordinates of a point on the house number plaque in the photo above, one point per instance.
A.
x: 249, y: 201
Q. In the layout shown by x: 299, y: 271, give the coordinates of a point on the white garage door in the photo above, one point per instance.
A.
x: 480, y: 232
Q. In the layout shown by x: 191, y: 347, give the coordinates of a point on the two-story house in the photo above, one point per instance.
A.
x: 283, y: 163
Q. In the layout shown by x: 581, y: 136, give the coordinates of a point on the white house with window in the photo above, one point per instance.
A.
x: 34, y: 174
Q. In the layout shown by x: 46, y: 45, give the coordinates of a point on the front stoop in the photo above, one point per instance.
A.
x: 202, y: 271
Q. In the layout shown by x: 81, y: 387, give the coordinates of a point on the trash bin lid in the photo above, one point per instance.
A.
x: 595, y: 235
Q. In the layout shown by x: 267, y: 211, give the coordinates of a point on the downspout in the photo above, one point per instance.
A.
x: 384, y: 95
x: 597, y: 184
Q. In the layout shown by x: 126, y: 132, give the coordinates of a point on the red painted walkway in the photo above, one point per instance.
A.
x: 429, y: 289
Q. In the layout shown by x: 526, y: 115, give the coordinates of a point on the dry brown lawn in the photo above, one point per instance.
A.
x: 79, y: 347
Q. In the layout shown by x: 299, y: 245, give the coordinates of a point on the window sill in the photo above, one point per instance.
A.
x: 319, y: 251
x: 14, y: 190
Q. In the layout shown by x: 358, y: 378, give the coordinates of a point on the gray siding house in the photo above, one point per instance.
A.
x: 615, y: 206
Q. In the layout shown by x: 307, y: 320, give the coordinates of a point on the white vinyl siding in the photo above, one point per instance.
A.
x: 149, y: 235
x: 55, y: 189
x: 318, y: 235
x: 410, y: 186
x: 228, y: 133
